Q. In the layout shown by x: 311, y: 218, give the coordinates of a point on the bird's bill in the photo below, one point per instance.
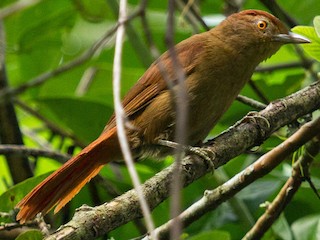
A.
x: 290, y: 38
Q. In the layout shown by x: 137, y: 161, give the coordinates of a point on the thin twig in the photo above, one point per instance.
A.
x: 43, y: 226
x: 232, y: 6
x: 11, y: 226
x: 282, y: 66
x: 119, y: 112
x: 260, y: 94
x: 181, y: 107
x: 199, y: 18
x: 251, y: 102
x: 186, y: 15
x: 7, y: 149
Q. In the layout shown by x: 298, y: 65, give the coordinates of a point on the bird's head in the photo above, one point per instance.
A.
x: 257, y: 32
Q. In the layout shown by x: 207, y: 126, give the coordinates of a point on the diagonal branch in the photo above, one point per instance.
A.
x: 20, y: 150
x: 213, y: 198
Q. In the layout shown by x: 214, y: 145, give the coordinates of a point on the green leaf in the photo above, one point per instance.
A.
x: 313, y: 48
x: 83, y: 116
x: 282, y: 229
x: 316, y: 24
x: 30, y: 235
x: 216, y: 234
x: 307, y: 228
x: 11, y: 197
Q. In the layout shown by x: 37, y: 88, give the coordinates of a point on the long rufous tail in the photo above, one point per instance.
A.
x: 63, y: 184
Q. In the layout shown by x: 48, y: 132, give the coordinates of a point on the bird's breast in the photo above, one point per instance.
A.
x: 211, y: 93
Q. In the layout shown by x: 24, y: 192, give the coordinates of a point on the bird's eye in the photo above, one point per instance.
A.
x: 262, y: 25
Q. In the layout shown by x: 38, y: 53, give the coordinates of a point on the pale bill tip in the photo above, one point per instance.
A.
x: 299, y: 38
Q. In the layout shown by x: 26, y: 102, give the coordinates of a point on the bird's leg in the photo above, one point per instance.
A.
x: 253, y: 116
x: 205, y: 153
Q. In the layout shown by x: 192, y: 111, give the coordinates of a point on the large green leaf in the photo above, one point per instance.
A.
x: 313, y: 48
x: 16, y: 193
x: 316, y: 24
x: 307, y: 228
x: 84, y: 117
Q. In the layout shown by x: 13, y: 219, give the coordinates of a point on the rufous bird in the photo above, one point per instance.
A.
x: 216, y: 64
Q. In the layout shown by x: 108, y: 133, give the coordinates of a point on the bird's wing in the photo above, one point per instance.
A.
x: 152, y: 83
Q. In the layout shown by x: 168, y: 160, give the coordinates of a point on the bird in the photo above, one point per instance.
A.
x: 216, y: 65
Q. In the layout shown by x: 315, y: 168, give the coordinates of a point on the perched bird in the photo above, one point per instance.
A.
x: 216, y: 64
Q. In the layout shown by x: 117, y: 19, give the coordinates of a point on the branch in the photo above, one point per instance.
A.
x: 251, y: 102
x: 299, y: 172
x: 281, y: 66
x: 213, y: 198
x: 120, y: 117
x: 181, y: 109
x: 89, y: 223
x: 8, y: 149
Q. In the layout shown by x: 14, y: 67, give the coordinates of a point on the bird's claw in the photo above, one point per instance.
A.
x: 254, y: 116
x: 205, y: 153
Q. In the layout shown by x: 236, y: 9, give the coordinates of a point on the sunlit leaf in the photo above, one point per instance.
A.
x: 313, y: 48
x: 30, y: 235
x: 316, y: 24
x: 307, y: 228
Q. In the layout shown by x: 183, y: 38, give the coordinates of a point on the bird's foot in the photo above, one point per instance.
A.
x: 255, y: 117
x: 85, y: 208
x: 205, y: 153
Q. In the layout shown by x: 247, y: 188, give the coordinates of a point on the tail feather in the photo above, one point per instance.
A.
x: 62, y: 185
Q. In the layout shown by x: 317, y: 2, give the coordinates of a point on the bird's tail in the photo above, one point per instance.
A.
x: 63, y: 184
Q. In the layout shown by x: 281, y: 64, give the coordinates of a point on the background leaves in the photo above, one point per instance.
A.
x: 52, y: 33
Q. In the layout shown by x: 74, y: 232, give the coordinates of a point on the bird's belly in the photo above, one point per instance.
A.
x: 207, y: 106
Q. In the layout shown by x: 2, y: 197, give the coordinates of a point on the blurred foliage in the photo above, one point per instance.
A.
x: 313, y: 49
x: 52, y: 33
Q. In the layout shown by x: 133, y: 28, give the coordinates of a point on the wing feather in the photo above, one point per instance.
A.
x: 152, y: 83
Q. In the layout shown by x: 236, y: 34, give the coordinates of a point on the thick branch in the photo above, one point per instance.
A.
x: 89, y: 223
x: 213, y: 198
